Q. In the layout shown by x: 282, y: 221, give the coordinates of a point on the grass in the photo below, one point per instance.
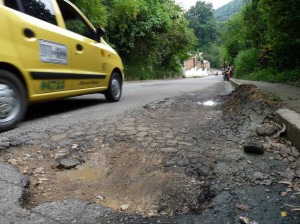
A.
x: 291, y: 77
x: 273, y: 97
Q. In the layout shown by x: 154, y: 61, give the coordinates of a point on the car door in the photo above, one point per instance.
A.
x: 86, y: 59
x: 41, y: 44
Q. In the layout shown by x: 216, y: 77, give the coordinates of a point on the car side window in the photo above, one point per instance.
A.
x: 11, y: 4
x: 74, y: 22
x: 41, y: 9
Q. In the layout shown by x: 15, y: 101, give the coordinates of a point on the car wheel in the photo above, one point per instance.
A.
x: 114, y: 92
x: 13, y: 100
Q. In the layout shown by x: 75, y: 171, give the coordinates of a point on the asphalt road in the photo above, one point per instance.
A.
x: 175, y: 153
x: 94, y: 107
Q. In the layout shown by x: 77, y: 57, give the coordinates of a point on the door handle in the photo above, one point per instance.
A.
x: 28, y: 33
x: 79, y: 47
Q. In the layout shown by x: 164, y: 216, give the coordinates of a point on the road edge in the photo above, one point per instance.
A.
x: 289, y: 117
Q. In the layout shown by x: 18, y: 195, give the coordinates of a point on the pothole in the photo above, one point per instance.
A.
x: 144, y: 163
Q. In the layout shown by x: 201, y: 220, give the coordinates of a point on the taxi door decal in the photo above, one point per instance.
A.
x: 51, y: 52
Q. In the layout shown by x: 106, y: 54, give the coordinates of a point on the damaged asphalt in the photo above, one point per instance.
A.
x: 194, y: 153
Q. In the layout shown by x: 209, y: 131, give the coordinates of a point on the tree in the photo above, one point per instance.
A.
x: 149, y: 35
x: 283, y: 31
x: 201, y: 19
x: 94, y: 10
x: 232, y: 38
x: 265, y: 36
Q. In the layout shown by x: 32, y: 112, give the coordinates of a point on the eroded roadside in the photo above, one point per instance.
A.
x: 174, y: 161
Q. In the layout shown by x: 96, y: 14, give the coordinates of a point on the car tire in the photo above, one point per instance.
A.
x: 114, y: 91
x: 13, y: 100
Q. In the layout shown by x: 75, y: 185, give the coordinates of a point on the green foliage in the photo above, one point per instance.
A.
x: 274, y: 97
x: 244, y: 31
x: 141, y: 72
x: 274, y: 75
x: 283, y: 31
x: 264, y: 41
x: 203, y: 23
x: 213, y: 54
x: 246, y: 62
x: 150, y: 35
x: 253, y: 26
x: 75, y: 26
x: 201, y: 19
x: 94, y: 10
x: 233, y: 38
x: 267, y: 74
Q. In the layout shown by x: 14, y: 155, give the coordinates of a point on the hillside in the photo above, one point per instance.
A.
x: 224, y: 13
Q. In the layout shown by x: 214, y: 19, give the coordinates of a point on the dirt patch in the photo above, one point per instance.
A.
x: 131, y: 167
x: 247, y: 109
x: 171, y: 158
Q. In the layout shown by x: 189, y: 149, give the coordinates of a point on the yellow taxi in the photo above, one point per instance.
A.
x: 50, y: 50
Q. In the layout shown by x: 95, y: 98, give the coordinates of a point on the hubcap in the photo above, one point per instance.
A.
x: 8, y: 103
x: 116, y: 88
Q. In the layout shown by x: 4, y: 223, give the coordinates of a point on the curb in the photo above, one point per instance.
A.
x: 292, y: 121
x: 235, y: 83
x: 289, y: 117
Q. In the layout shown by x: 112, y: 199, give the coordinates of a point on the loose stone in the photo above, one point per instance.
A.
x: 254, y: 147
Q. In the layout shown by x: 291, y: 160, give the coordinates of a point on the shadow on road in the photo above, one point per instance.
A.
x: 45, y: 109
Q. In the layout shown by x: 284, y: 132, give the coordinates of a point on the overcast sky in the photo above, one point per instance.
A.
x: 186, y: 4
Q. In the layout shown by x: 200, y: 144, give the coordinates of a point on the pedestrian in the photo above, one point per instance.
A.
x: 224, y: 70
x: 230, y: 71
x: 225, y: 73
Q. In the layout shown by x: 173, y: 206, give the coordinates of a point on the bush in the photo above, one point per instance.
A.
x: 134, y: 72
x: 273, y: 75
x: 246, y: 63
x: 267, y: 74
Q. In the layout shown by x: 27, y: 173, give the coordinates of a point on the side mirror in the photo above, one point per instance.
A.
x: 99, y: 33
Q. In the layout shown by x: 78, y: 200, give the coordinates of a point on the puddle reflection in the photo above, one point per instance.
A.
x: 207, y: 103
